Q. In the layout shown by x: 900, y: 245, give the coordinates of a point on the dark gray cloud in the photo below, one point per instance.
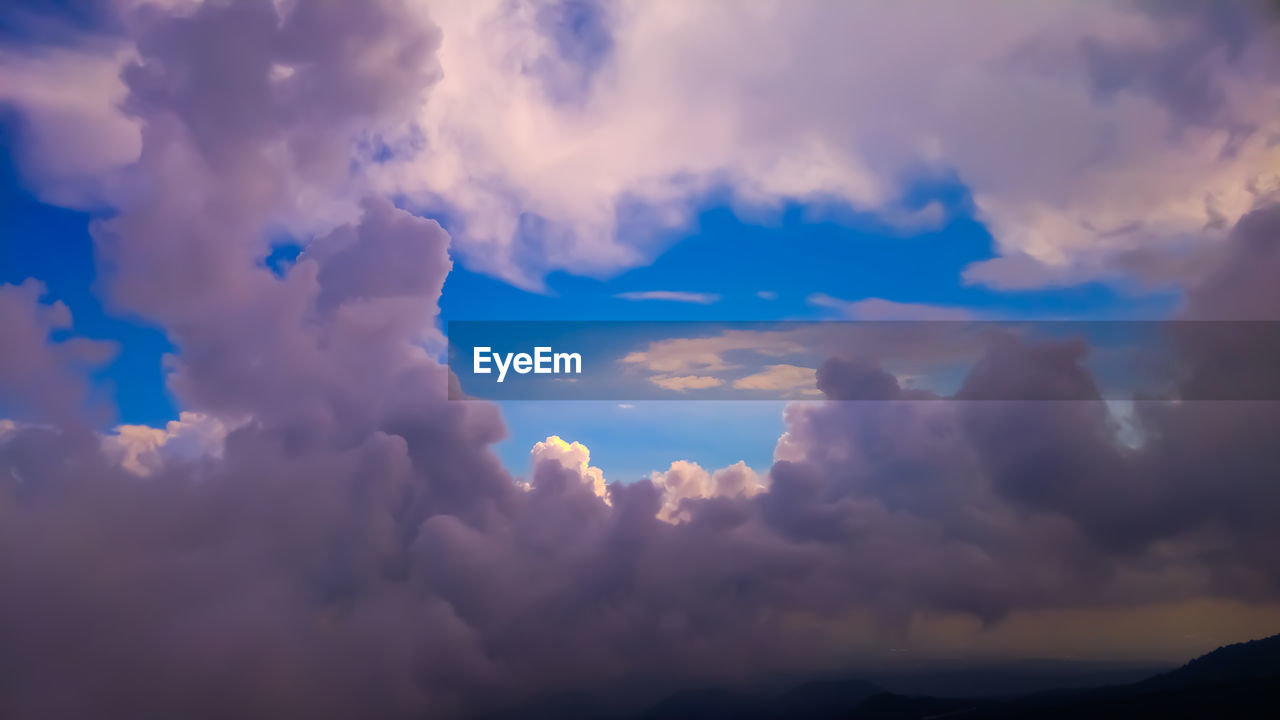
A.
x: 1197, y: 40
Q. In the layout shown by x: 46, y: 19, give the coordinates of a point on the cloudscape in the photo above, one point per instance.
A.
x: 912, y: 339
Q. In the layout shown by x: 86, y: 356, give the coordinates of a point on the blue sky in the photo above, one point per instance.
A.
x: 53, y: 245
x: 792, y: 251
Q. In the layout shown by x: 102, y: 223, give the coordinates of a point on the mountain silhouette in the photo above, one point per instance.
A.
x: 1231, y: 663
x: 1234, y: 681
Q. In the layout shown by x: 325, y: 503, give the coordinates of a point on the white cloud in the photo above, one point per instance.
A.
x: 1078, y: 126
x: 671, y: 296
x: 781, y: 378
x: 872, y: 309
x: 687, y: 355
x: 686, y: 480
x: 1084, y: 130
x: 681, y: 383
x: 142, y: 450
x: 683, y: 480
x: 574, y: 457
x: 74, y: 130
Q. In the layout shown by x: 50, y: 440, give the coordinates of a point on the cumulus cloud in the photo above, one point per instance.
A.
x: 143, y: 450
x: 1084, y: 131
x: 1099, y: 141
x: 686, y: 480
x: 683, y: 480
x: 574, y: 457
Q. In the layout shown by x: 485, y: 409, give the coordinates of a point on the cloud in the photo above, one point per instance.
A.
x: 781, y: 378
x: 671, y: 296
x: 683, y: 480
x: 574, y: 457
x: 1087, y: 134
x: 1236, y: 286
x: 143, y: 450
x: 681, y: 383
x: 686, y: 480
x: 876, y: 309
x: 40, y: 378
x: 748, y: 359
x: 71, y: 130
x: 358, y: 536
x: 767, y: 295
x: 708, y: 353
x: 1084, y: 132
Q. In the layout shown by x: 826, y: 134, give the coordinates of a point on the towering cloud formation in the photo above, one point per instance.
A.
x: 355, y: 549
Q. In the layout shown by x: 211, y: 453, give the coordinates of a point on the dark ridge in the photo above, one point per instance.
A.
x: 1235, y: 681
x: 1229, y: 663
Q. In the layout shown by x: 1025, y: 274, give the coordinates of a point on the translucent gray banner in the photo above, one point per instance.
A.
x: 934, y: 360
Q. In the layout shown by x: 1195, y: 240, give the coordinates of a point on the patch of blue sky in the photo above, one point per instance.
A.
x: 630, y: 440
x: 796, y: 251
x: 53, y: 245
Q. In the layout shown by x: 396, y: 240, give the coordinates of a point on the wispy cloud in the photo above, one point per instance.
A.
x: 881, y: 309
x: 702, y: 354
x: 681, y: 383
x: 781, y: 378
x: 670, y: 296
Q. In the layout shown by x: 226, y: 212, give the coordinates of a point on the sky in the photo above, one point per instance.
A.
x: 233, y: 235
x: 852, y: 260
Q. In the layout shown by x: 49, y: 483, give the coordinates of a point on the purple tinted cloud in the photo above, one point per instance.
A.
x: 358, y: 550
